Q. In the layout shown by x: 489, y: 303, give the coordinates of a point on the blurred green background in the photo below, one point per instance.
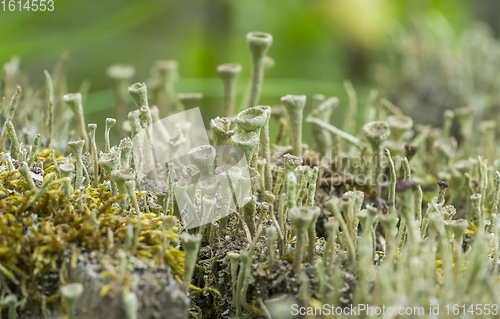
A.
x: 317, y: 43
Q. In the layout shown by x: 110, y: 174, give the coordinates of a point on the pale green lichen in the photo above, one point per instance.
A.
x: 331, y: 237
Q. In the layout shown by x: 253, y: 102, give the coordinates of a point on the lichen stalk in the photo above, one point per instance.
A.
x: 191, y: 245
x: 26, y: 173
x: 304, y: 180
x: 248, y: 267
x: 120, y: 75
x: 228, y: 73
x: 301, y: 218
x: 279, y: 181
x: 350, y: 119
x: 332, y: 206
x: 77, y: 147
x: 49, y: 105
x: 74, y: 101
x: 496, y: 195
x: 249, y: 206
x: 376, y: 133
x: 166, y: 74
x: 34, y: 149
x: 311, y: 233
x: 66, y: 172
x: 258, y: 43
x: 125, y: 147
x: 221, y: 132
x: 139, y: 93
x: 93, y: 152
x: 120, y: 177
x: 331, y: 228
x: 109, y: 124
x: 323, y: 112
x: 265, y: 148
x: 294, y: 105
x: 130, y: 186
x: 14, y: 142
x: 241, y: 276
x: 234, y: 259
x: 10, y: 115
x: 271, y: 238
x: 291, y: 184
x: 261, y: 165
x: 71, y: 293
x: 392, y: 186
x: 130, y: 305
x: 312, y: 187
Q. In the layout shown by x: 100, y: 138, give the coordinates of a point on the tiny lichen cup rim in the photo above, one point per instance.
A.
x: 121, y: 71
x: 260, y: 40
x: 377, y: 130
x: 252, y: 119
x: 229, y: 69
x: 400, y: 121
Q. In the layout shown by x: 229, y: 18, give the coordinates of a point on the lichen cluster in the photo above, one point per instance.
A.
x: 385, y: 213
x: 58, y: 210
